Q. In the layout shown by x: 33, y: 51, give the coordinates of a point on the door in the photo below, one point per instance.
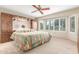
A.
x: 73, y: 28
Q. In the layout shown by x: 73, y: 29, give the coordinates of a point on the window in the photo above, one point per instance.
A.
x: 51, y: 25
x: 41, y: 26
x: 62, y: 24
x: 56, y: 24
x: 72, y: 24
x: 47, y: 25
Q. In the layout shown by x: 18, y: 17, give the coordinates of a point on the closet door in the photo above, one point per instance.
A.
x: 6, y: 27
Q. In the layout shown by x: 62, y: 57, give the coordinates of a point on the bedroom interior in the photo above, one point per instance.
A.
x: 39, y: 29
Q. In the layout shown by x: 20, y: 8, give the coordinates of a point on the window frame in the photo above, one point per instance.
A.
x: 65, y: 23
x: 70, y: 23
x: 53, y: 20
x: 54, y: 24
x: 40, y: 21
x: 46, y: 24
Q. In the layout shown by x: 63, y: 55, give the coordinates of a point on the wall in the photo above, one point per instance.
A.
x: 19, y: 22
x: 67, y: 34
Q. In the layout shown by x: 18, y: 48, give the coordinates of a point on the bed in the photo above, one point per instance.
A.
x: 25, y: 41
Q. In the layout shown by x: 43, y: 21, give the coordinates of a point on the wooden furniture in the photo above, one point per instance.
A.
x: 33, y: 24
x: 6, y: 27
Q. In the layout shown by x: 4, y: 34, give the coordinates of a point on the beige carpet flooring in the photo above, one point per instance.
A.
x: 54, y: 46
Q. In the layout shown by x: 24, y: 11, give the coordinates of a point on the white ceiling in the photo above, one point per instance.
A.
x: 27, y: 9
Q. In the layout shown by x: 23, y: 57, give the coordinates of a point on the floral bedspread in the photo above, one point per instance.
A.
x: 28, y: 40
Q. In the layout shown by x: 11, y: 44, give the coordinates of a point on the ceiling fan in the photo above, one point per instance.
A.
x: 39, y: 8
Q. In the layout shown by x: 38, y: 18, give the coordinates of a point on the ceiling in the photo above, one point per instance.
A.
x: 27, y: 9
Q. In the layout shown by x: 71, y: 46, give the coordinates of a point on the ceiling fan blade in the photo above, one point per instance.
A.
x: 45, y: 8
x: 37, y: 8
x: 34, y: 11
x: 41, y: 12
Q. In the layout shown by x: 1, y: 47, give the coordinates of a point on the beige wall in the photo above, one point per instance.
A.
x: 64, y: 34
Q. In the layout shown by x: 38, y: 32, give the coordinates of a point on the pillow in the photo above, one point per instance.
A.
x: 23, y: 30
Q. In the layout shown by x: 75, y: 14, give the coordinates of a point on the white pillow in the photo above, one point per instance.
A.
x: 23, y: 30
